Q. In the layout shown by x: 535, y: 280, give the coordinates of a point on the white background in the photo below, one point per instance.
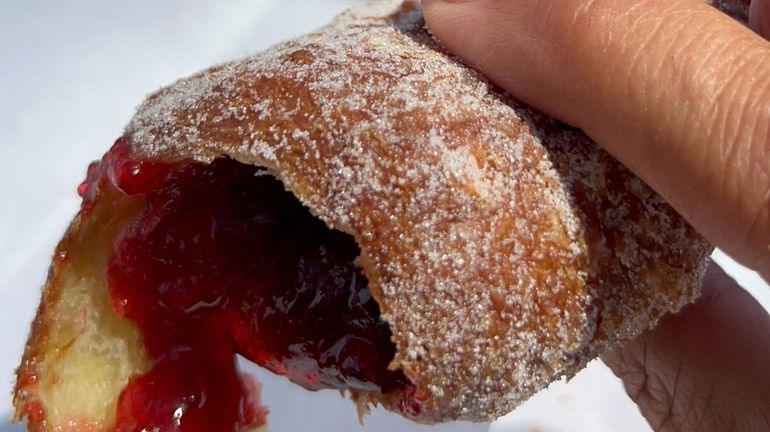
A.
x: 71, y: 74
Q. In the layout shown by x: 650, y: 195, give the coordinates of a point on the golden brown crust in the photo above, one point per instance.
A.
x: 505, y: 249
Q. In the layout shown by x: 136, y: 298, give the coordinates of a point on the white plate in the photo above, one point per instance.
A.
x: 72, y: 73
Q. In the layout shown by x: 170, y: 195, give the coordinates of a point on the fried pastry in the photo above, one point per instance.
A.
x: 354, y: 209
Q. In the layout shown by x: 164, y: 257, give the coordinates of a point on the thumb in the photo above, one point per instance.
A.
x: 674, y: 89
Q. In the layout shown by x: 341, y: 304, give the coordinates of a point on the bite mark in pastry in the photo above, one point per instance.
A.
x: 448, y: 250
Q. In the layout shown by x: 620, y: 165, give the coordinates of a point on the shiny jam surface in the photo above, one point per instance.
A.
x: 223, y: 260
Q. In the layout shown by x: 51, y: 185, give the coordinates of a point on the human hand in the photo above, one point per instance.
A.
x: 706, y: 368
x: 674, y: 89
x: 679, y: 93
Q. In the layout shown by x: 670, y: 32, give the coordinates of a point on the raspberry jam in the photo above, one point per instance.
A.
x: 222, y: 261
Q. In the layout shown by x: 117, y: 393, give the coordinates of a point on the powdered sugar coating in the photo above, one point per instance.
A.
x: 506, y: 250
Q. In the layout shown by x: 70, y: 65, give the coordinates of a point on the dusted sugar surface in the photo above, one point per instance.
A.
x: 504, y: 249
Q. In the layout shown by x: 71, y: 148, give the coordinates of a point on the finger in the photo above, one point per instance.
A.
x: 675, y: 90
x: 704, y: 369
x: 759, y: 17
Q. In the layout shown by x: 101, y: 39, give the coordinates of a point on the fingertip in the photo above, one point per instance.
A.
x: 435, y: 14
x: 449, y: 20
x: 435, y: 11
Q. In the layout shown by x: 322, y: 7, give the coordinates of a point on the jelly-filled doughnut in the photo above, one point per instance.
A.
x: 356, y: 210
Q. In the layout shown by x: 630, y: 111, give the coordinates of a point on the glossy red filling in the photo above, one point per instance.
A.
x: 223, y: 260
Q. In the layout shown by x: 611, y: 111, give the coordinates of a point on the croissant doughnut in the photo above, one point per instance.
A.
x: 353, y: 209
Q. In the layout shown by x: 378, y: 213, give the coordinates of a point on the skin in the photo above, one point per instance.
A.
x: 706, y: 368
x: 680, y: 93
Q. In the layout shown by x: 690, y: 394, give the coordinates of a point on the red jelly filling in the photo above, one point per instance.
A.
x: 222, y: 261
